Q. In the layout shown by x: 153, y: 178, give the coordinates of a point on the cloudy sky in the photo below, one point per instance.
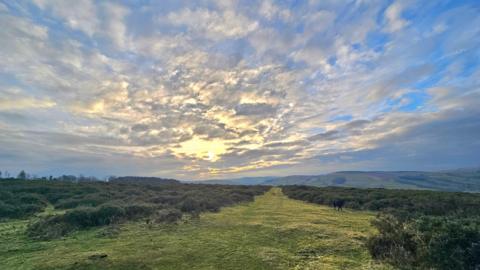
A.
x: 218, y: 89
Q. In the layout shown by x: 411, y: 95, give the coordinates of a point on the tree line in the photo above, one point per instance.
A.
x: 23, y: 175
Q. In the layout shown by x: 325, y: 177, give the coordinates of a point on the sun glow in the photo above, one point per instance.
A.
x: 198, y: 148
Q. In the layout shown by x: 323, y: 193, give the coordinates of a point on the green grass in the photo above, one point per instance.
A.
x: 274, y: 232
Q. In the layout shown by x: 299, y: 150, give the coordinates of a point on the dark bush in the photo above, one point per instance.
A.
x: 190, y: 205
x: 89, y: 200
x: 441, y: 243
x: 81, y: 217
x: 7, y: 210
x: 395, y: 243
x: 450, y: 243
x: 107, y: 214
x: 135, y: 211
x: 31, y: 198
x: 167, y: 215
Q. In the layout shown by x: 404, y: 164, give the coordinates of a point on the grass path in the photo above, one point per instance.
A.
x: 273, y: 232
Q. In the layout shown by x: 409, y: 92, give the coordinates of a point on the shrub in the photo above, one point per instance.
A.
x: 135, y: 211
x: 190, y: 205
x: 89, y: 200
x: 107, y: 214
x: 441, y: 243
x: 395, y: 243
x: 31, y: 198
x: 167, y: 215
x: 49, y: 228
x: 80, y: 217
x: 450, y: 243
x: 7, y: 210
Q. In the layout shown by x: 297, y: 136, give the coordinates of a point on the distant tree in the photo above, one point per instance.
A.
x: 22, y: 175
x: 50, y: 178
x: 70, y: 178
x: 0, y: 174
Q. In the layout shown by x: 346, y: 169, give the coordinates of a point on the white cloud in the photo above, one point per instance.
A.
x: 92, y: 18
x: 213, y: 24
x: 16, y: 99
x: 79, y: 14
x: 393, y: 14
x: 115, y: 27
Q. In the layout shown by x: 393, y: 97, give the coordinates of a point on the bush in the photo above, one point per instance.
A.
x: 107, y: 214
x: 395, y: 243
x: 190, y: 205
x: 49, y: 228
x: 89, y: 200
x: 167, y: 216
x: 442, y: 243
x: 7, y: 210
x: 81, y: 218
x: 135, y: 211
x: 451, y: 243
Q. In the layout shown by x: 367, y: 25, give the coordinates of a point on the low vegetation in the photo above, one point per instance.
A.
x: 92, y: 204
x: 272, y: 232
x: 112, y: 224
x: 416, y: 229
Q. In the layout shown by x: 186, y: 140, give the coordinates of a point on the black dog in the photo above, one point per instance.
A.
x: 338, y: 204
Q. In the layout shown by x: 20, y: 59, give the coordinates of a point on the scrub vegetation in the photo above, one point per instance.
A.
x: 416, y: 229
x: 93, y: 204
x: 151, y: 223
x: 272, y: 232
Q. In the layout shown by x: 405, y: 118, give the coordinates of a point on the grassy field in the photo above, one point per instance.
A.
x: 274, y: 232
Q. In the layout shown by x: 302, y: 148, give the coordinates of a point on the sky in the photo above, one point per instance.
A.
x: 221, y: 89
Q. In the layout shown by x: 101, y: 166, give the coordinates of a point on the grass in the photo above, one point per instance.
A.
x: 273, y: 232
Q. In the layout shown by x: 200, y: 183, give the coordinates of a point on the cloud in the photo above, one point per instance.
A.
x: 393, y: 15
x: 106, y: 19
x: 213, y: 24
x: 15, y: 99
x: 195, y: 90
x: 254, y: 109
x: 79, y: 15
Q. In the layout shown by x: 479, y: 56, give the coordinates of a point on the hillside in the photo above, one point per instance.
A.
x: 456, y: 180
x: 273, y: 232
x: 238, y: 181
x: 464, y: 180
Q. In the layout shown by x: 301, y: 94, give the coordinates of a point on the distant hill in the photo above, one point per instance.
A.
x: 237, y: 181
x: 154, y: 181
x: 455, y: 180
x: 466, y: 180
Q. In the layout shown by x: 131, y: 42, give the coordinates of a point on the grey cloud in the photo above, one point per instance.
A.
x: 286, y: 144
x: 329, y: 135
x: 255, y: 109
x: 140, y: 127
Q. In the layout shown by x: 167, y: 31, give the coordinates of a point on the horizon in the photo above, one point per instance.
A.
x: 217, y: 90
x: 9, y: 175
